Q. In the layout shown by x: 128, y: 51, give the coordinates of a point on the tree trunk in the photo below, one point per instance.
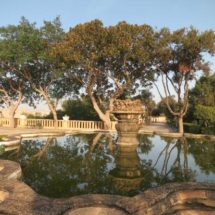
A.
x: 105, y: 117
x: 55, y: 119
x: 54, y: 114
x: 180, y: 125
x: 13, y: 109
x: 12, y: 123
x: 107, y: 120
x: 51, y: 108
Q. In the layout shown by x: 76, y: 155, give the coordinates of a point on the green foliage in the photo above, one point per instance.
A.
x: 60, y: 114
x: 203, y: 150
x: 205, y: 113
x: 208, y: 130
x: 162, y: 107
x: 106, y: 61
x: 25, y: 52
x: 192, y: 128
x: 147, y: 101
x: 80, y: 109
x: 204, y: 119
x: 32, y: 116
x: 157, y: 112
x: 201, y: 94
x: 15, y: 50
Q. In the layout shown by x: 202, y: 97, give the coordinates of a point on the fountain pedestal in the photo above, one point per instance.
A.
x: 128, y: 113
x: 127, y: 127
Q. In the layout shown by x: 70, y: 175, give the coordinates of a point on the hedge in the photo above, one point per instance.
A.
x: 192, y: 128
x: 208, y: 130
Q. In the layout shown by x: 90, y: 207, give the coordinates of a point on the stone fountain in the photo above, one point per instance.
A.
x: 128, y: 113
x: 127, y: 176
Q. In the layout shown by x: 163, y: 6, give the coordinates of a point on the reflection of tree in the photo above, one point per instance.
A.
x: 42, y: 152
x: 96, y: 161
x: 27, y: 149
x: 81, y: 163
x: 171, y: 164
x: 179, y: 169
x: 145, y: 144
x: 14, y: 150
x: 100, y: 139
x: 145, y: 165
x: 61, y: 170
x: 110, y: 143
x: 93, y: 145
x: 88, y: 162
x: 167, y: 155
x: 203, y: 150
x: 148, y: 173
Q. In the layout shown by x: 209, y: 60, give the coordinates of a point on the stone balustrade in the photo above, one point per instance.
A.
x: 62, y: 124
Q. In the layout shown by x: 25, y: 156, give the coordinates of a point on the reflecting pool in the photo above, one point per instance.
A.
x: 95, y: 164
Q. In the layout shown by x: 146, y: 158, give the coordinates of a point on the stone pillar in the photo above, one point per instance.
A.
x: 65, y: 124
x: 23, y: 120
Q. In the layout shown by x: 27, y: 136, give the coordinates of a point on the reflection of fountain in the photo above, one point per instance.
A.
x: 126, y: 175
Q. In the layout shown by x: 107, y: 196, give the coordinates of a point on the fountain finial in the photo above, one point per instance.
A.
x: 127, y: 105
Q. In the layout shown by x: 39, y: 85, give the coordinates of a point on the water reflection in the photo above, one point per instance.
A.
x: 127, y: 175
x: 94, y: 163
x: 175, y: 168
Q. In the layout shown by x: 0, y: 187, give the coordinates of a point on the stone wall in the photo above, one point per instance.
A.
x: 177, y: 198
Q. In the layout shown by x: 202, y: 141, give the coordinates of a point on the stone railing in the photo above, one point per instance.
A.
x: 158, y: 119
x: 70, y: 124
x: 62, y: 124
x: 4, y: 122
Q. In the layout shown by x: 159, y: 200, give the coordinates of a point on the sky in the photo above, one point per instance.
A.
x: 173, y: 14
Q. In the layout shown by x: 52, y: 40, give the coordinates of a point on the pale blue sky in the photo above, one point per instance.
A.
x: 173, y: 14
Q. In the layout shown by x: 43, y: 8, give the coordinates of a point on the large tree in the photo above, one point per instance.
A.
x: 178, y: 56
x: 202, y: 99
x: 27, y: 54
x: 105, y: 60
x: 13, y: 91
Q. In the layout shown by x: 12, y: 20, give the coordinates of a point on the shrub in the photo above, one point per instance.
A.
x: 192, y: 128
x: 208, y: 130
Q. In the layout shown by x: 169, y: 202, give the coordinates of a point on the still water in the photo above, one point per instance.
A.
x: 94, y: 164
